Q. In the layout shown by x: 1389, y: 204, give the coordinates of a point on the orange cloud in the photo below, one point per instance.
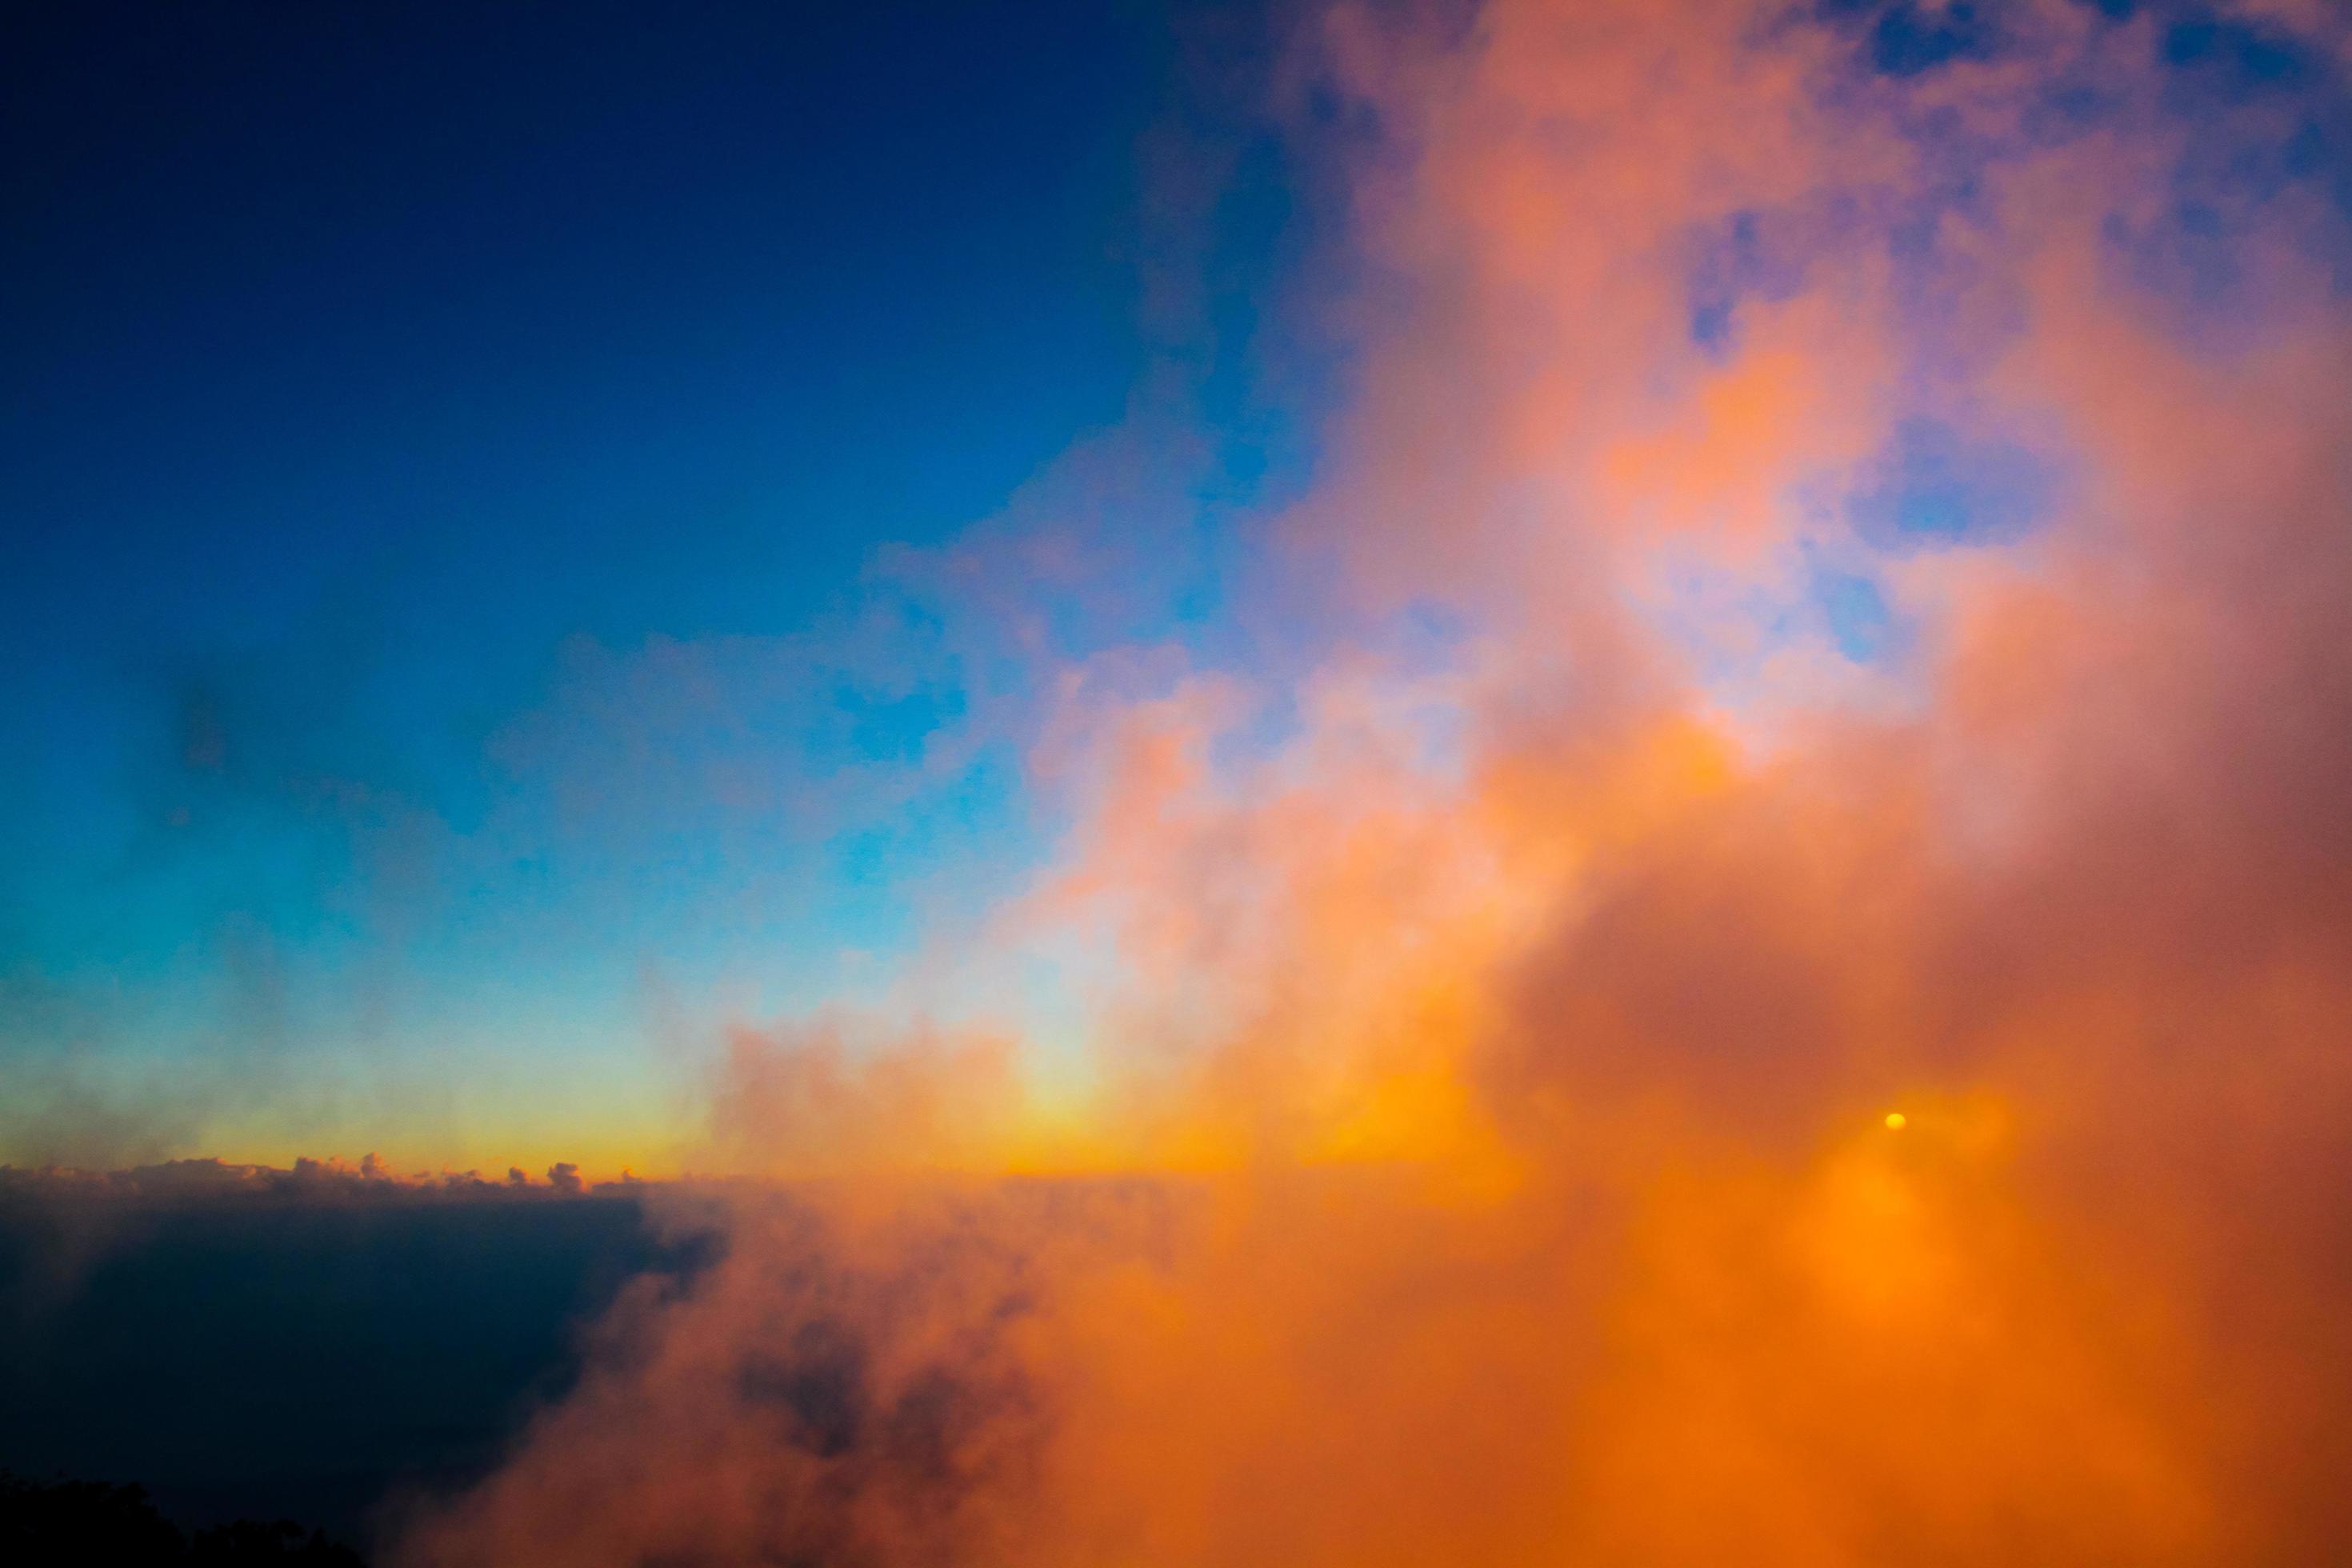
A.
x: 1505, y: 1170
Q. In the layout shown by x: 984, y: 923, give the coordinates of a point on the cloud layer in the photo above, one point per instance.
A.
x: 1827, y: 600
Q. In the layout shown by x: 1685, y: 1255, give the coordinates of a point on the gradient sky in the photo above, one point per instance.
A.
x: 461, y: 657
x: 382, y: 384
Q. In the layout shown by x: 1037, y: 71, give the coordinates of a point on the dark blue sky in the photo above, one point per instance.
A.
x: 302, y: 297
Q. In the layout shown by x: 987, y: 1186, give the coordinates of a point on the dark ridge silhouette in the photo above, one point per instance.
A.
x: 70, y: 1524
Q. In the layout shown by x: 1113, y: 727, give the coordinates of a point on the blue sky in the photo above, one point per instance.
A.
x: 382, y: 379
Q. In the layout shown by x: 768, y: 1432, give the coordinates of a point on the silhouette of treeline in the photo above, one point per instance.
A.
x: 58, y: 1523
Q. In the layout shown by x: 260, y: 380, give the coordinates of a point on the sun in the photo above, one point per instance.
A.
x: 1896, y: 1120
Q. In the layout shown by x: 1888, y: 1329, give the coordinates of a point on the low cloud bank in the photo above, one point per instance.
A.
x: 306, y: 1180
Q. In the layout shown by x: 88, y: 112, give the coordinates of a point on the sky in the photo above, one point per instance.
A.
x: 391, y: 391
x: 1355, y: 783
